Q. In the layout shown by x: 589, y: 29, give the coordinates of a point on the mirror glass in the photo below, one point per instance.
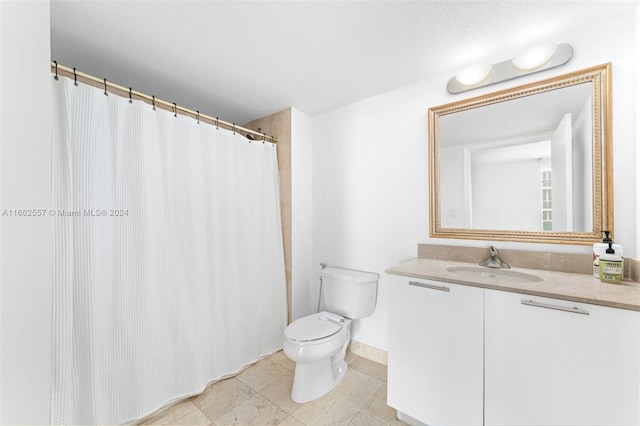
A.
x: 528, y: 163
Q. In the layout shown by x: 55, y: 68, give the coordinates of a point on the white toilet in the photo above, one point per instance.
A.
x: 318, y: 343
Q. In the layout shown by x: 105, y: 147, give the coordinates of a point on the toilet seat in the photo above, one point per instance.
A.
x: 315, y: 327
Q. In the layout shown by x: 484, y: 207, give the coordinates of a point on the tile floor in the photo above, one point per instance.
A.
x: 260, y: 395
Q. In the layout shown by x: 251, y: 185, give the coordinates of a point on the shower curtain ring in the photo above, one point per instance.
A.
x: 234, y: 128
x: 153, y: 102
x: 56, y: 76
x: 216, y: 123
x: 105, y: 87
x: 75, y: 77
x: 198, y: 116
x: 175, y: 110
x: 130, y: 100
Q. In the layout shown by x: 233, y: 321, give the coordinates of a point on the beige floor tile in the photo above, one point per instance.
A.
x: 291, y: 421
x: 371, y: 368
x: 366, y: 419
x: 256, y: 410
x: 279, y: 392
x: 377, y: 406
x: 282, y: 359
x: 262, y: 374
x: 357, y: 387
x: 173, y: 414
x: 155, y: 420
x: 331, y: 409
x: 261, y: 395
x: 194, y: 418
x: 222, y: 396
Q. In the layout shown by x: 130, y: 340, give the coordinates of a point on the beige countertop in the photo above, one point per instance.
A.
x: 558, y: 285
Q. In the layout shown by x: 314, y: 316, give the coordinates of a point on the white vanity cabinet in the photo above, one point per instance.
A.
x: 463, y: 355
x: 435, y: 351
x: 555, y: 362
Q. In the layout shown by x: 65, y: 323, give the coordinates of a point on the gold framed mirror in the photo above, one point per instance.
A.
x: 532, y: 163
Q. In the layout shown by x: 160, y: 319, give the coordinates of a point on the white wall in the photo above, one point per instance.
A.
x: 370, y: 167
x: 25, y: 183
x: 370, y: 189
x: 304, y: 282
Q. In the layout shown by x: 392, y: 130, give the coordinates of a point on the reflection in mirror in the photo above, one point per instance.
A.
x: 524, y: 164
x: 503, y: 154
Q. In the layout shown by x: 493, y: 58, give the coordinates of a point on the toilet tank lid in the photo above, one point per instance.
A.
x: 349, y: 275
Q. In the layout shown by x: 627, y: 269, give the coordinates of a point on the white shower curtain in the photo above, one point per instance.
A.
x: 169, y: 267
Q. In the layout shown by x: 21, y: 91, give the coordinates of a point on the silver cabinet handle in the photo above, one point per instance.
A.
x: 431, y: 286
x: 574, y: 310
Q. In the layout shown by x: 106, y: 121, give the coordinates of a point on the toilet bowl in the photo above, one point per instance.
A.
x: 317, y: 344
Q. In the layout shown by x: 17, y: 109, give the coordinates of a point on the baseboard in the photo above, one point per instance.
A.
x: 368, y: 352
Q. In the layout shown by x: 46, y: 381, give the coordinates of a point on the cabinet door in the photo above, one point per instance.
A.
x: 549, y: 366
x: 435, y: 351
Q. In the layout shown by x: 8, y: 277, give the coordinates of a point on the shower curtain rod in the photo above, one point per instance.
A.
x: 124, y: 92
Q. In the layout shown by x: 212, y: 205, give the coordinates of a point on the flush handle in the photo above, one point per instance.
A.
x: 430, y: 286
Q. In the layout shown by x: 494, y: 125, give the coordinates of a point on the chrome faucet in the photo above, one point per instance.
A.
x: 494, y: 260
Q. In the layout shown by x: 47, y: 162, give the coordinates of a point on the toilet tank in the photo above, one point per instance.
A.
x: 349, y: 293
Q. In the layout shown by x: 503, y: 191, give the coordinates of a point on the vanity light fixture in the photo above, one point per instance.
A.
x: 531, y: 60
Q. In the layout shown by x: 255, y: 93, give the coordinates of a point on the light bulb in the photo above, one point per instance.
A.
x: 534, y: 56
x: 473, y: 74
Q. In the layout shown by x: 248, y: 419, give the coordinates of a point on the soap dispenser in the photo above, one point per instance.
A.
x: 600, y: 249
x: 611, y: 266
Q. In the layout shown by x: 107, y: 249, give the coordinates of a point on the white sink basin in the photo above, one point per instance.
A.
x: 502, y: 275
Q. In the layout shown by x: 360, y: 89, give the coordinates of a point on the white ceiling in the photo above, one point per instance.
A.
x: 243, y: 60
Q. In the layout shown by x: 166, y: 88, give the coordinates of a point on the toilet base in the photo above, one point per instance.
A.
x: 316, y: 379
x: 317, y: 371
